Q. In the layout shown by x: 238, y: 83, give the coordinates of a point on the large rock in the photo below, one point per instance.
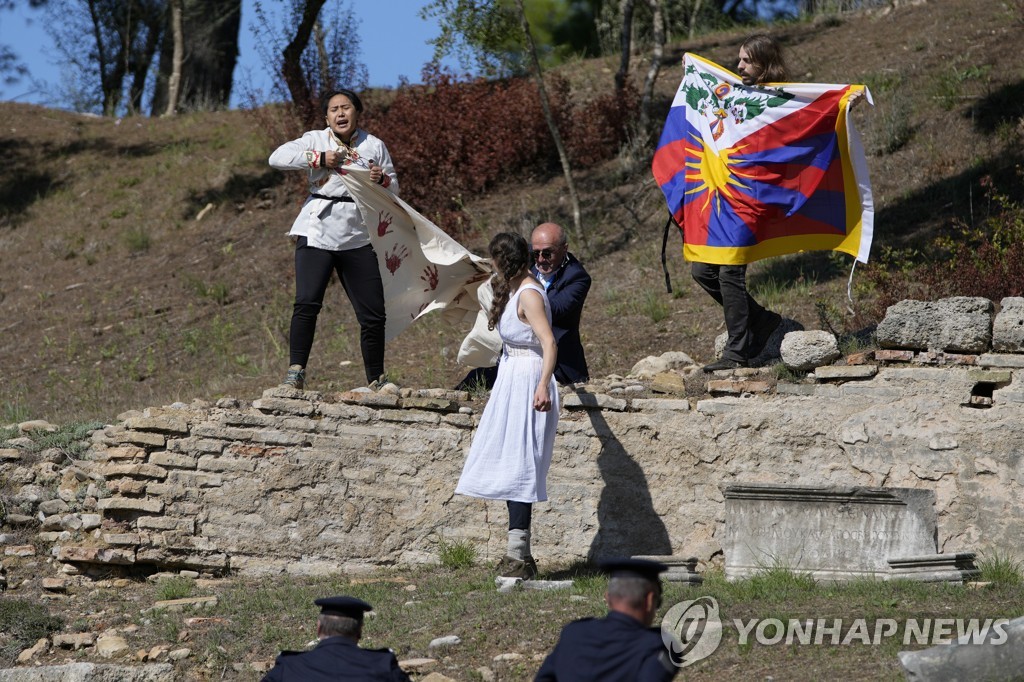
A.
x: 772, y: 348
x: 807, y: 350
x: 1008, y: 328
x: 656, y: 364
x: 955, y: 325
x: 111, y: 646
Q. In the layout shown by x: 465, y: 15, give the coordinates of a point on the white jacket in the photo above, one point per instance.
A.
x: 326, y: 224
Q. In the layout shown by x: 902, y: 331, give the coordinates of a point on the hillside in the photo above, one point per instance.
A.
x: 144, y: 260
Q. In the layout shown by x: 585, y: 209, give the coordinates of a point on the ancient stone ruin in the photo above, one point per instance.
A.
x: 298, y: 482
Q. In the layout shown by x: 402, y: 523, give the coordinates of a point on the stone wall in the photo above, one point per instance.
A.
x: 298, y: 482
x: 303, y: 483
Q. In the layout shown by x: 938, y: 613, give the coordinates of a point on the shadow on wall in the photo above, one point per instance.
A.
x: 626, y: 521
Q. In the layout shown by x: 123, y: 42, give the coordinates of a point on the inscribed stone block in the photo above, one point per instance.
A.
x: 836, y: 533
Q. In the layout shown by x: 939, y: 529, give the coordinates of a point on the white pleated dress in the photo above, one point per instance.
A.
x: 511, y: 449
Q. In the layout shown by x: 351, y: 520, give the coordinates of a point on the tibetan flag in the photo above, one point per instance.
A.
x: 751, y: 172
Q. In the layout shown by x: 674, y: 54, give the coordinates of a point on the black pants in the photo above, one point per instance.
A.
x: 357, y: 269
x: 727, y: 284
x: 519, y: 515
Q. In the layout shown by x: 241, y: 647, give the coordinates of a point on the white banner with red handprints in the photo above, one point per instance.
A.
x: 422, y: 267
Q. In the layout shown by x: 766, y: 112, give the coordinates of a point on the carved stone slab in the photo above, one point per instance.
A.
x: 837, y: 533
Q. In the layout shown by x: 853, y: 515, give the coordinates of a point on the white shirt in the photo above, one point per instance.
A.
x: 326, y: 224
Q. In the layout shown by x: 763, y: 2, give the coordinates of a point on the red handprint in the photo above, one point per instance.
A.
x: 430, y: 276
x: 383, y: 223
x: 393, y: 260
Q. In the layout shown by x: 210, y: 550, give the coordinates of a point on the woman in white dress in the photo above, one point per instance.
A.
x: 511, y: 449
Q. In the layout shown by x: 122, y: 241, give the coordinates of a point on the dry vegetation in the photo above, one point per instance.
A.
x: 117, y: 295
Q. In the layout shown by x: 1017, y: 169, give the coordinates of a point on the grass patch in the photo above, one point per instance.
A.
x: 654, y: 306
x: 1001, y: 569
x: 255, y: 619
x: 217, y: 292
x: 14, y: 411
x: 138, y: 240
x: 948, y: 85
x: 456, y: 554
x: 787, y: 374
x: 175, y: 588
x: 23, y: 623
x: 71, y: 439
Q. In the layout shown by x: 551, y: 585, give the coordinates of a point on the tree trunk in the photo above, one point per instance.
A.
x: 291, y: 66
x: 323, y: 59
x: 210, y: 29
x: 625, y: 42
x: 174, y: 83
x: 152, y: 19
x: 694, y: 12
x: 657, y: 52
x: 549, y: 117
x: 110, y: 85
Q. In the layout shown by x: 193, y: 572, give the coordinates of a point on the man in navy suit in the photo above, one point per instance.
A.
x: 567, y: 285
x: 337, y: 655
x: 622, y: 646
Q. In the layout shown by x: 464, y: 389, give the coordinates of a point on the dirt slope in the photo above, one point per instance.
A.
x: 144, y: 260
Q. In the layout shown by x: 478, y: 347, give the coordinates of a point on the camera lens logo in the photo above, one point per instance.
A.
x: 692, y: 631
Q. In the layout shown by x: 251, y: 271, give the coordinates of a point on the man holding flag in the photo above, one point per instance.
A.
x: 752, y: 170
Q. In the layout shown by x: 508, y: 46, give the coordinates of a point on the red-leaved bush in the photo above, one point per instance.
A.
x: 986, y: 260
x: 450, y: 140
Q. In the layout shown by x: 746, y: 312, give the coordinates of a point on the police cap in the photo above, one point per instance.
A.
x: 350, y: 607
x: 633, y: 568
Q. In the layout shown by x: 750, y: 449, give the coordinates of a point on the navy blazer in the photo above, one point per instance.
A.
x: 616, y: 648
x: 336, y: 658
x: 567, y: 293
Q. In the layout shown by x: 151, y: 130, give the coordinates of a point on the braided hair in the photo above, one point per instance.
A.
x: 511, y: 257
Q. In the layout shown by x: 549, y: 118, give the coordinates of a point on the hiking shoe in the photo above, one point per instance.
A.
x: 763, y: 332
x: 296, y: 377
x: 514, y: 568
x: 724, y: 363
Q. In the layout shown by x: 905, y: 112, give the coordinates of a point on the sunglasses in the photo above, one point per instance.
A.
x: 546, y: 254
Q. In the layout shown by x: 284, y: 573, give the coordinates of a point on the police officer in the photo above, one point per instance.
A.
x: 622, y: 646
x: 337, y: 656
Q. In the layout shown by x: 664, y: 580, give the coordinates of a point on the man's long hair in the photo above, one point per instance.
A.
x: 766, y: 52
x: 511, y: 255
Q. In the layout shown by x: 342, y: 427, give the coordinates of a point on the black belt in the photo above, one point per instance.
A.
x: 322, y: 196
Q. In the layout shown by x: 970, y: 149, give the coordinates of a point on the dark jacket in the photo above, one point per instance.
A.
x: 336, y: 658
x: 567, y: 293
x: 616, y: 648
